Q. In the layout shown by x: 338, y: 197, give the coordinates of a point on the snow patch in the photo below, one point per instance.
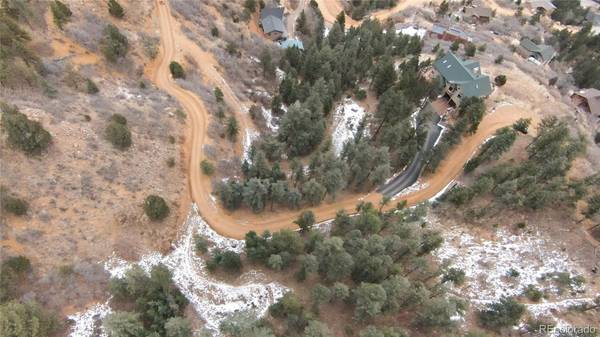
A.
x: 87, y: 322
x: 269, y: 119
x: 249, y: 136
x: 213, y: 300
x: 488, y: 263
x: 280, y: 74
x: 417, y: 186
x: 412, y: 31
x: 346, y: 118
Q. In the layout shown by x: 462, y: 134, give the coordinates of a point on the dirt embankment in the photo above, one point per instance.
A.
x: 237, y: 224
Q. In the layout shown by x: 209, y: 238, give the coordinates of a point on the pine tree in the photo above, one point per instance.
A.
x: 115, y: 9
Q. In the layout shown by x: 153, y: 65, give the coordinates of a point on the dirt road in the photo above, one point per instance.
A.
x: 331, y: 8
x: 237, y: 224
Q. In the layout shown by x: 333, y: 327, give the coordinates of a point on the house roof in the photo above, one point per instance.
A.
x: 479, y: 11
x: 466, y: 74
x: 271, y: 19
x: 593, y: 18
x: 545, y: 51
x: 451, y: 31
x: 546, y: 4
x: 289, y: 43
x: 592, y: 96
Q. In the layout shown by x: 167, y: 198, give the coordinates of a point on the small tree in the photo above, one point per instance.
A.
x: 443, y: 9
x: 500, y: 80
x: 91, y: 87
x: 26, y: 135
x: 123, y: 324
x: 305, y: 221
x: 115, y: 9
x: 218, y: 95
x: 341, y: 19
x: 14, y: 205
x: 455, y: 45
x: 214, y: 31
x: 522, y: 125
x: 155, y: 207
x: 370, y: 299
x: 470, y: 49
x: 228, y: 260
x: 232, y: 128
x: 207, y: 167
x: 501, y: 314
x: 60, y: 12
x: 250, y: 5
x: 178, y: 327
x: 117, y: 132
x: 499, y: 59
x: 114, y: 45
x: 200, y: 244
x: 176, y: 70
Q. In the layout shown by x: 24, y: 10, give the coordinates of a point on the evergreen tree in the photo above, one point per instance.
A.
x: 115, y: 9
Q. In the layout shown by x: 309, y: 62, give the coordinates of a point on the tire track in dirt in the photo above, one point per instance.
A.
x: 237, y: 224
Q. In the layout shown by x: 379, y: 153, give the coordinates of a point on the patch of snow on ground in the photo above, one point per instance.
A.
x: 412, y: 31
x: 442, y: 191
x: 269, y: 119
x: 487, y: 263
x: 212, y: 299
x: 417, y: 186
x: 87, y: 322
x: 280, y: 74
x: 249, y: 136
x: 346, y: 119
x: 440, y: 135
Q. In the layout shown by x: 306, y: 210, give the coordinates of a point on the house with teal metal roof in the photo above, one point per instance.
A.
x: 462, y: 78
x: 292, y: 43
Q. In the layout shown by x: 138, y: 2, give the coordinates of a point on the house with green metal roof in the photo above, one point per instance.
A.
x: 462, y: 78
x: 540, y: 52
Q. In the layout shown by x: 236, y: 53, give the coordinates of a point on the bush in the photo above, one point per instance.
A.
x: 26, y: 319
x: 19, y: 264
x: 117, y: 132
x: 60, y: 12
x: 218, y: 94
x: 228, y: 260
x: 499, y: 59
x: 171, y: 162
x: 597, y: 137
x: 113, y: 44
x: 500, y: 80
x: 91, y: 87
x: 26, y: 135
x: 532, y: 293
x: 115, y: 9
x: 470, y: 49
x: 14, y: 205
x: 176, y: 70
x: 360, y: 94
x: 155, y: 207
x: 214, y: 32
x: 501, y: 314
x: 207, y: 167
x: 200, y: 244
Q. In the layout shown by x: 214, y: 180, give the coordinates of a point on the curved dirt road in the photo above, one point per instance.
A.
x: 237, y: 224
x: 331, y: 8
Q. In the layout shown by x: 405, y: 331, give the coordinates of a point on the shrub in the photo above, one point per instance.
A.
x: 171, y: 162
x: 504, y: 313
x: 360, y: 94
x: 176, y: 70
x: 117, y: 132
x: 500, y: 80
x: 207, y: 167
x: 113, y: 44
x: 470, y: 49
x: 214, y: 32
x: 155, y: 207
x: 115, y: 9
x: 26, y: 319
x: 91, y: 87
x: 499, y: 59
x: 19, y: 264
x: 228, y: 260
x: 60, y: 12
x: 455, y: 45
x: 597, y: 137
x: 532, y: 293
x: 26, y: 135
x: 14, y: 205
x: 218, y: 95
x: 200, y: 244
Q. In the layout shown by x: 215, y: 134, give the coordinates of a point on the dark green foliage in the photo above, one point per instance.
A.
x: 470, y: 49
x: 218, y: 95
x: 228, y: 260
x: 123, y: 324
x: 568, y: 12
x: 500, y: 80
x: 176, y: 70
x: 499, y: 59
x: 532, y: 293
x: 60, y: 12
x: 117, y: 132
x: 113, y: 45
x: 455, y: 45
x: 370, y: 299
x: 522, y: 125
x: 582, y: 51
x: 91, y: 87
x: 214, y: 31
x: 26, y: 320
x: 504, y: 313
x: 266, y: 62
x: 438, y: 312
x: 207, y: 167
x: 19, y: 65
x: 305, y: 220
x: 358, y: 9
x: 232, y: 129
x: 24, y: 134
x: 155, y: 297
x: 155, y: 207
x: 200, y: 244
x: 13, y: 205
x: 250, y: 5
x: 115, y: 9
x: 230, y: 194
x: 14, y: 269
x: 493, y: 148
x: 301, y: 25
x: 301, y: 129
x: 384, y: 76
x: 244, y: 324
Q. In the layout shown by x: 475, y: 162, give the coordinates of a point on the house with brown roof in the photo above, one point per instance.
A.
x: 449, y: 34
x: 587, y: 100
x: 478, y: 14
x: 540, y: 6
